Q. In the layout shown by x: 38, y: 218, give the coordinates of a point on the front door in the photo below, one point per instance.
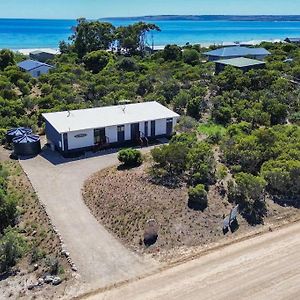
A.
x: 146, y: 129
x: 135, y: 131
x: 152, y: 128
x: 121, y: 134
x: 99, y: 136
x: 169, y: 127
x: 65, y: 139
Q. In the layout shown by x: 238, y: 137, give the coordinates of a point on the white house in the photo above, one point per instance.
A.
x: 34, y: 67
x: 85, y: 129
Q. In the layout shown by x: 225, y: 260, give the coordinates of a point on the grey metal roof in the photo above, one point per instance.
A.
x: 240, y: 62
x: 107, y: 116
x: 237, y: 51
x: 30, y: 64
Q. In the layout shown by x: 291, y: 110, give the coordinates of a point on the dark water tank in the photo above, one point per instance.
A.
x: 15, y: 132
x: 27, y: 144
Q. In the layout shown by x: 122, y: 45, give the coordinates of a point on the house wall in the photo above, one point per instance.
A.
x: 42, y: 69
x: 84, y: 139
x: 220, y: 67
x: 112, y: 134
x: 53, y: 136
x: 76, y: 142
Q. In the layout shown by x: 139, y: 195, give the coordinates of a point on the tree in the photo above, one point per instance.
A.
x: 171, y: 158
x: 92, y: 36
x: 197, y: 197
x: 127, y: 64
x: 249, y: 192
x: 96, y: 61
x: 283, y: 177
x: 186, y: 124
x: 193, y: 107
x: 201, y: 164
x: 180, y: 101
x: 170, y: 89
x: 132, y: 38
x: 7, y: 58
x: 130, y: 157
x: 172, y: 52
x: 191, y: 56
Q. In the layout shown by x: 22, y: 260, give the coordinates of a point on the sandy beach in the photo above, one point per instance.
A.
x: 161, y: 47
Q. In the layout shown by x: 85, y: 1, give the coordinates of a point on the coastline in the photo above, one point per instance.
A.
x: 26, y: 51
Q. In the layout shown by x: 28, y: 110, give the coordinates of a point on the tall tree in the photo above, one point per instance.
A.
x: 91, y: 36
x: 132, y: 38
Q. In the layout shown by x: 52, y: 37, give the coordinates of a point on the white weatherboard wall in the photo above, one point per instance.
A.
x: 80, y: 142
x: 160, y: 127
x: 112, y: 134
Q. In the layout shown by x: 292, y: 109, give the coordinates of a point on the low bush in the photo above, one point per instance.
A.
x: 130, y: 157
x: 12, y: 248
x: 197, y: 197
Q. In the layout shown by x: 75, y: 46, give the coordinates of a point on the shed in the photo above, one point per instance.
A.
x: 27, y: 145
x: 14, y: 132
x: 242, y: 63
x: 35, y: 68
x: 42, y: 55
x: 237, y: 51
x: 84, y: 129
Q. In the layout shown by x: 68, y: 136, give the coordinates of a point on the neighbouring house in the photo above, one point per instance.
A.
x: 237, y: 51
x: 242, y: 63
x: 95, y: 128
x: 35, y: 68
x: 292, y: 40
x: 42, y: 55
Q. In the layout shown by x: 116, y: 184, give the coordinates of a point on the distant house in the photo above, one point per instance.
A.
x: 42, y: 56
x: 35, y: 68
x: 292, y: 40
x: 242, y: 63
x: 85, y: 129
x: 237, y: 51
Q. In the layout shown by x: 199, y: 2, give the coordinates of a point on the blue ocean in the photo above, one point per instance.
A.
x: 21, y: 34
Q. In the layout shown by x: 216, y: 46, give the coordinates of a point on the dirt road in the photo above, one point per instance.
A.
x: 264, y: 267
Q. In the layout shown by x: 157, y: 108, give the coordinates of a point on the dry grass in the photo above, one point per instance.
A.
x: 34, y: 225
x: 123, y: 200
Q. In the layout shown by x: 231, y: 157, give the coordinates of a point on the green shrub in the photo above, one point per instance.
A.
x: 12, y: 248
x: 191, y: 56
x: 249, y: 192
x: 130, y: 157
x: 197, y: 197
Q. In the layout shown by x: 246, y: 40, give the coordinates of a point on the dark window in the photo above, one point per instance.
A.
x: 169, y: 126
x: 65, y: 139
x: 135, y: 131
x: 121, y: 133
x: 146, y: 129
x: 152, y: 128
x: 99, y: 136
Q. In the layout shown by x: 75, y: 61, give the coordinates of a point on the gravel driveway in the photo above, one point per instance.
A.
x: 99, y: 257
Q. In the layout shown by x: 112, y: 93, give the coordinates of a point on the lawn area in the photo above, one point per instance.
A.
x: 211, y: 129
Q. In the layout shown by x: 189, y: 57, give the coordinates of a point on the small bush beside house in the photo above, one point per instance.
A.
x: 130, y: 157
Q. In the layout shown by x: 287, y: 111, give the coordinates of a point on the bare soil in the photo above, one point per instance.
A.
x: 124, y: 200
x: 35, y: 226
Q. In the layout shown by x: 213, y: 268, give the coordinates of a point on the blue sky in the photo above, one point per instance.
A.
x: 70, y: 9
